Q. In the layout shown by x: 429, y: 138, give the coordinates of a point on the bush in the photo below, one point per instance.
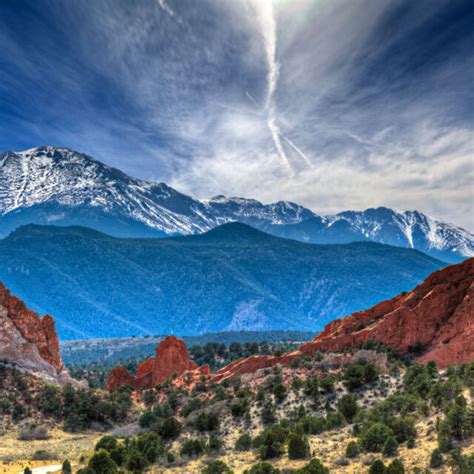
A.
x: 390, y: 447
x: 102, y: 463
x: 43, y: 455
x: 243, y: 443
x: 396, y: 467
x: 215, y: 444
x: 347, y: 405
x: 27, y: 470
x: 313, y: 467
x: 171, y: 428
x: 135, y: 461
x: 32, y: 432
x: 357, y: 375
x: 262, y: 468
x: 377, y: 467
x: 298, y: 446
x: 206, y: 422
x: 374, y: 438
x: 270, y: 442
x: 352, y: 450
x: 107, y: 442
x: 193, y: 447
x: 216, y: 467
x: 436, y: 459
x: 66, y: 467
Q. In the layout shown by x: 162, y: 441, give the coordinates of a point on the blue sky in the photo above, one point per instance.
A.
x: 333, y: 104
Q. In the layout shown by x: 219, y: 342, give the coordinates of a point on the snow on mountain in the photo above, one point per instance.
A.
x: 60, y: 186
x: 67, y: 179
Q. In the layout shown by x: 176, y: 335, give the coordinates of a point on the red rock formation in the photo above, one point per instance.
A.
x: 30, y: 341
x: 437, y: 315
x: 32, y: 328
x: 171, y: 359
x: 119, y: 377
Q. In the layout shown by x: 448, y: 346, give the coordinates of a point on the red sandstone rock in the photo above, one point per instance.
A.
x: 438, y: 315
x: 119, y: 377
x: 36, y: 330
x: 30, y: 342
x: 171, y: 359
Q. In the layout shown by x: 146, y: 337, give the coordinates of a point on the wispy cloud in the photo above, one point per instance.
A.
x: 307, y: 100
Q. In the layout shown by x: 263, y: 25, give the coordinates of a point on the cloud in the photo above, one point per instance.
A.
x: 312, y: 101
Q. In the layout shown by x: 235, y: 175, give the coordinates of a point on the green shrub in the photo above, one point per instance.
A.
x: 206, y: 422
x: 436, y: 459
x: 374, y: 438
x: 298, y: 446
x: 171, y: 428
x: 243, y: 443
x: 102, y: 463
x: 262, y: 468
x: 396, y: 467
x: 377, y: 467
x: 193, y: 447
x: 66, y: 467
x: 216, y: 467
x: 107, y: 442
x: 313, y: 467
x: 43, y: 455
x: 352, y: 450
x: 347, y: 405
x: 390, y: 447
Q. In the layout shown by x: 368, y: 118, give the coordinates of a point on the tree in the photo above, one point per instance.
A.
x: 396, y: 467
x: 390, y: 447
x: 315, y: 466
x: 206, y: 422
x: 66, y: 468
x: 262, y: 468
x: 216, y: 467
x: 27, y: 470
x: 243, y: 443
x: 298, y: 446
x: 102, y: 463
x: 171, y: 428
x: 107, y: 442
x: 135, y: 461
x: 347, y: 405
x: 352, y: 450
x: 377, y: 467
x: 374, y: 438
x: 436, y: 459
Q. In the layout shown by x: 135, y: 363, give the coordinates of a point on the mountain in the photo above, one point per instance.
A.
x: 411, y: 229
x: 49, y: 185
x: 233, y: 277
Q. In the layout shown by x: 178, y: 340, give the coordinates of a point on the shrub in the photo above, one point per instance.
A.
x: 396, y: 467
x: 215, y: 444
x: 193, y: 447
x: 352, y: 450
x: 102, y: 463
x: 107, y: 442
x: 243, y: 443
x: 147, y: 419
x: 410, y: 442
x: 262, y: 468
x: 268, y: 413
x: 436, y: 459
x: 390, y: 447
x: 271, y: 442
x: 313, y: 467
x: 347, y: 405
x: 298, y: 446
x: 374, y: 438
x: 206, y: 422
x: 171, y: 428
x: 42, y: 455
x: 216, y: 467
x: 31, y: 432
x: 377, y: 467
x: 66, y: 467
x: 27, y: 471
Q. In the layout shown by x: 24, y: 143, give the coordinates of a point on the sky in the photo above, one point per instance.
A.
x: 332, y: 104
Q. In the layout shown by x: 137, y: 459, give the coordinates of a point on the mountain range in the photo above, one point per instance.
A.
x: 51, y: 185
x: 233, y: 277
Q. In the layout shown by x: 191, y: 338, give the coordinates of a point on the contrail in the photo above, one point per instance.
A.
x: 298, y: 150
x: 165, y: 7
x: 266, y: 19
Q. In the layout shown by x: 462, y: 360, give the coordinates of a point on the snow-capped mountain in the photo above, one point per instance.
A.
x: 60, y: 186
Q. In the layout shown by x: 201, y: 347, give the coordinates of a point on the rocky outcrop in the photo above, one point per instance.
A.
x: 119, y: 377
x: 437, y: 317
x: 172, y: 360
x: 29, y: 341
